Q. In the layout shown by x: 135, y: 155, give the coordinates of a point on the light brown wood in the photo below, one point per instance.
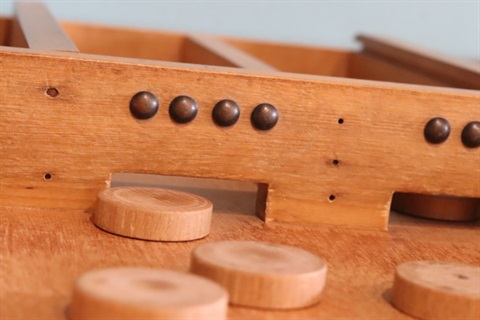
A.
x: 39, y: 28
x: 143, y: 293
x: 125, y: 42
x: 455, y: 72
x: 261, y: 274
x: 297, y: 58
x: 437, y: 290
x: 437, y: 207
x: 367, y: 66
x: 153, y: 214
x: 42, y: 252
x: 210, y: 50
x: 376, y: 139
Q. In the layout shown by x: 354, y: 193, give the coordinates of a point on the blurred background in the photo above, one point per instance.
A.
x: 450, y: 27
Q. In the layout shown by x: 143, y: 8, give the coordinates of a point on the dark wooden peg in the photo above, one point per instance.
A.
x: 226, y: 113
x: 436, y: 130
x: 264, y: 116
x: 471, y: 135
x: 183, y: 109
x: 144, y: 105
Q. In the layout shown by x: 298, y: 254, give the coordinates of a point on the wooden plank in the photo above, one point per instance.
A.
x: 5, y: 25
x: 39, y: 28
x: 456, y: 72
x: 297, y: 58
x: 42, y: 252
x: 125, y: 42
x: 86, y: 133
x: 210, y: 50
x: 371, y: 67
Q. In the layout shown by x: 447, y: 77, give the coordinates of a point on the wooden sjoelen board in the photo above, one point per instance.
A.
x: 324, y: 150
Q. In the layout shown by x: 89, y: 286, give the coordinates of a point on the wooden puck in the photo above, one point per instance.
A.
x: 141, y: 293
x: 437, y: 207
x: 263, y: 275
x: 437, y: 290
x: 153, y: 214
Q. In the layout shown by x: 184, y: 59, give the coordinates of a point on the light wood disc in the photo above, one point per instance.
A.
x: 142, y: 293
x: 153, y: 214
x: 263, y: 275
x: 437, y: 290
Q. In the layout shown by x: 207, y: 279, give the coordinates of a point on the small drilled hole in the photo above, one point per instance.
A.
x: 331, y: 197
x: 335, y: 162
x: 461, y: 276
x: 47, y: 176
x: 340, y: 121
x: 52, y: 92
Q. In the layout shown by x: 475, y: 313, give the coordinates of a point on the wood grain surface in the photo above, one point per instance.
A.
x: 42, y: 252
x: 339, y: 151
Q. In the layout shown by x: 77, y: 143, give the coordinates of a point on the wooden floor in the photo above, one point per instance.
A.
x: 43, y: 251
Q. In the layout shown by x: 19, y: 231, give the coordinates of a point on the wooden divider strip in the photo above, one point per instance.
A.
x: 458, y: 73
x: 205, y: 49
x: 36, y: 28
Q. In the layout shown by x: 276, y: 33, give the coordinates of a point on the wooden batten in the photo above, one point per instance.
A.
x: 34, y: 27
x: 64, y: 154
x: 454, y: 72
x: 204, y: 49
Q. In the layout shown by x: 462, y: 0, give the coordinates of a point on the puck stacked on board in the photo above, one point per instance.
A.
x: 262, y: 275
x: 153, y: 214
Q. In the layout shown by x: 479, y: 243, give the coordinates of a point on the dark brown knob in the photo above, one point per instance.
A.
x: 226, y: 113
x: 183, y: 109
x: 471, y: 135
x: 264, y: 116
x: 436, y: 130
x: 144, y: 105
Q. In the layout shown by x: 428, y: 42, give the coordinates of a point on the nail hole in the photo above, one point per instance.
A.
x: 52, y: 92
x: 331, y: 197
x: 340, y: 121
x: 335, y: 162
x: 47, y: 176
x: 461, y: 276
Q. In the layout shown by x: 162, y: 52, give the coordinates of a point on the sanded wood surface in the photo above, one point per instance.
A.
x: 153, y: 213
x: 262, y: 274
x: 42, y: 252
x: 37, y: 29
x: 50, y: 165
x: 455, y: 72
x: 210, y: 50
x: 437, y: 290
x: 146, y: 293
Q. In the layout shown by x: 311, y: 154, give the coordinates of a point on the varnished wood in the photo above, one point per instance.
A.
x: 297, y: 58
x: 146, y: 293
x: 437, y: 290
x: 262, y: 274
x: 375, y: 140
x: 39, y: 29
x: 455, y: 72
x: 153, y: 213
x: 209, y: 50
x: 5, y: 25
x: 42, y: 252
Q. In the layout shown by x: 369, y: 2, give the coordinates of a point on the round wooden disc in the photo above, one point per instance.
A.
x: 141, y: 293
x: 263, y: 275
x: 434, y: 290
x: 153, y: 214
x: 437, y: 207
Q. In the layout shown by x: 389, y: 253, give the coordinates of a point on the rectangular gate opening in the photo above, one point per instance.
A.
x: 227, y: 196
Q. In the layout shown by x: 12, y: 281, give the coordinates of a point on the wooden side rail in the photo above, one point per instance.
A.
x: 35, y: 28
x: 455, y: 72
x: 210, y: 50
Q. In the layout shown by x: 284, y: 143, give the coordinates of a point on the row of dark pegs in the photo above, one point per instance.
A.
x: 184, y: 109
x: 437, y: 130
